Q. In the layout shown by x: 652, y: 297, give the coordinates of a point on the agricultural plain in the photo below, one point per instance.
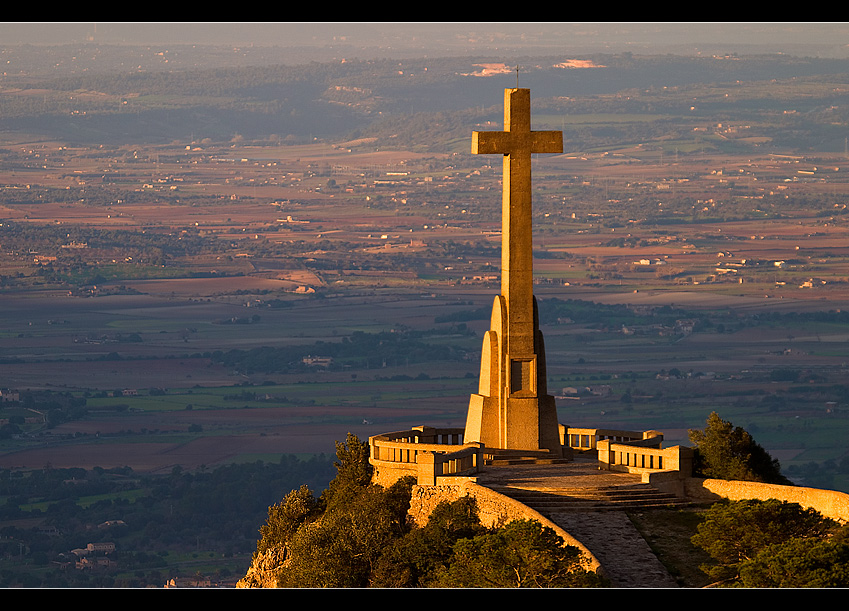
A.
x: 296, y: 249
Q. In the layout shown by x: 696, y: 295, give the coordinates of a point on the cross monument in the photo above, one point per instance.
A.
x: 512, y: 408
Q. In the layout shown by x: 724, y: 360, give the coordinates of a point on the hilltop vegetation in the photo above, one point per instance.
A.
x: 357, y: 534
x: 724, y: 451
x: 773, y: 544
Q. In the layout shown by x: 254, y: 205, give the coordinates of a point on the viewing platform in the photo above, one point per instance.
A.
x: 432, y: 455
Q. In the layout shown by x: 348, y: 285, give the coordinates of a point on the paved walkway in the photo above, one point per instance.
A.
x: 626, y: 557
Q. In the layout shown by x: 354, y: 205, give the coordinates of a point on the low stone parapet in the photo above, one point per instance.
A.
x: 830, y: 503
x: 429, y: 453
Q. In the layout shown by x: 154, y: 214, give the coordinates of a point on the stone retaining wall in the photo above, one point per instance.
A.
x: 830, y: 503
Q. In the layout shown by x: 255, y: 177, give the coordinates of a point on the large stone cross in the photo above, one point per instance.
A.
x: 512, y: 409
x: 517, y: 142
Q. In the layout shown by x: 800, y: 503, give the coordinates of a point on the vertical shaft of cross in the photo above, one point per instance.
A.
x: 517, y: 142
x: 517, y: 235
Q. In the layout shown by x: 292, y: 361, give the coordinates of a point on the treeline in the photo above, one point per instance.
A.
x: 784, y: 318
x: 26, y: 236
x: 554, y: 311
x: 359, y: 350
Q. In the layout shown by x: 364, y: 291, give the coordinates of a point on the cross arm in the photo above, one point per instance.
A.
x: 547, y: 142
x: 490, y: 143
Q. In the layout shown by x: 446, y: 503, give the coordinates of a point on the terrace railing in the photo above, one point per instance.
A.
x: 638, y: 458
x: 425, y: 452
x: 586, y: 440
x: 632, y: 451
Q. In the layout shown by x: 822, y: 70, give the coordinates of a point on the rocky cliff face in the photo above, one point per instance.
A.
x: 264, y: 569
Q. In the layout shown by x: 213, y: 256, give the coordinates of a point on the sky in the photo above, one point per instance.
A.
x: 423, y: 33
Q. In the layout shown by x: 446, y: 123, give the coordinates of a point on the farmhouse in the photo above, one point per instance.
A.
x: 317, y: 361
x: 9, y: 395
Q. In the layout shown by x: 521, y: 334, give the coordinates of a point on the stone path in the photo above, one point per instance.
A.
x: 607, y: 532
x: 626, y: 557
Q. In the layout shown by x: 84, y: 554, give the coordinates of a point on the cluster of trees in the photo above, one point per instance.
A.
x: 551, y: 310
x: 50, y: 238
x: 357, y: 534
x: 615, y: 316
x: 773, y: 544
x: 56, y: 407
x: 368, y: 350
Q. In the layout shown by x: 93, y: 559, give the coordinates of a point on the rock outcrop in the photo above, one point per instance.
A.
x: 264, y: 569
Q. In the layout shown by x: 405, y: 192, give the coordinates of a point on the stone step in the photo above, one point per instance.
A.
x: 554, y: 499
x: 525, y: 460
x: 585, y: 499
x: 504, y: 458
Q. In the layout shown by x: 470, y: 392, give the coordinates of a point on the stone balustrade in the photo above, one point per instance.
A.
x: 586, y: 440
x: 637, y: 452
x: 423, y: 452
x: 638, y: 458
x: 456, y: 463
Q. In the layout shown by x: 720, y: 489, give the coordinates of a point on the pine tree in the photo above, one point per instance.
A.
x: 724, y: 451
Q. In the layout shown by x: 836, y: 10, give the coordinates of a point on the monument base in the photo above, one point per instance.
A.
x: 531, y: 424
x: 525, y: 420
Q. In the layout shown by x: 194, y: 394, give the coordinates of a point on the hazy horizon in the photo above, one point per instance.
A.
x: 438, y: 36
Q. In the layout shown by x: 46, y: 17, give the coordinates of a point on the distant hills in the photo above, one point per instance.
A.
x: 420, y: 102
